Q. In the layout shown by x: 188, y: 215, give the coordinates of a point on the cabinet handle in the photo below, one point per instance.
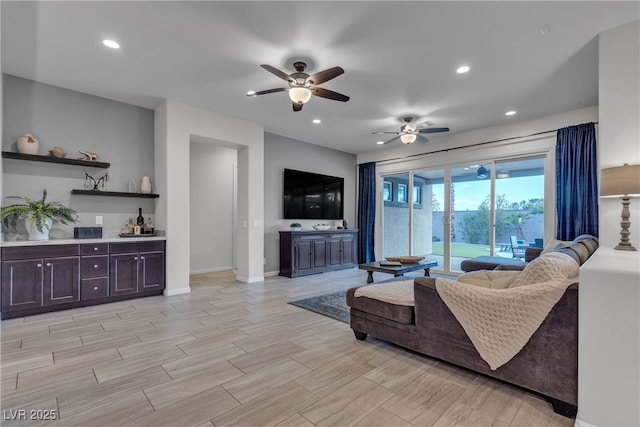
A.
x: 95, y: 265
x: 135, y: 258
x: 48, y: 264
x: 95, y: 248
x: 95, y: 288
x: 141, y: 257
x: 38, y: 265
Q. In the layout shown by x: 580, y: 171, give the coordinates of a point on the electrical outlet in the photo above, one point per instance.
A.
x: 264, y: 261
x: 98, y: 220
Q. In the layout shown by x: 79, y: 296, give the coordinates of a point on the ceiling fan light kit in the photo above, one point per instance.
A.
x: 299, y: 95
x: 408, y: 138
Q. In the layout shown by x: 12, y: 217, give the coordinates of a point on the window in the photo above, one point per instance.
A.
x: 417, y: 195
x: 387, y: 194
x: 402, y: 193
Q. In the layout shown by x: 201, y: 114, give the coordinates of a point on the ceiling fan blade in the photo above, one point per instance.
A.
x: 421, y: 138
x: 264, y: 92
x: 329, y: 94
x: 392, y: 139
x: 434, y: 130
x: 297, y: 106
x: 284, y: 76
x: 326, y: 75
x: 383, y: 133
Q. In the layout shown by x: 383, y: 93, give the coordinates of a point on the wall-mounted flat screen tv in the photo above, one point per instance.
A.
x: 312, y: 196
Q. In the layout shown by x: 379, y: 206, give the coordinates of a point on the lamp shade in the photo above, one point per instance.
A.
x: 299, y: 95
x: 408, y: 138
x: 620, y: 181
x: 482, y: 173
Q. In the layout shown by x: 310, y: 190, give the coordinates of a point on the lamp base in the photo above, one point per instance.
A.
x: 622, y: 247
x: 624, y: 244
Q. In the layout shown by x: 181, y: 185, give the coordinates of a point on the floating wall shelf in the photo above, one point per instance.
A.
x: 114, y: 194
x: 49, y: 159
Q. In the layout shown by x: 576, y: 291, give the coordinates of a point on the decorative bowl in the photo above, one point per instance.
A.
x: 321, y: 227
x: 405, y: 259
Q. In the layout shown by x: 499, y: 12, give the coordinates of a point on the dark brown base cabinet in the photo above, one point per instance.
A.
x: 311, y: 252
x: 43, y: 278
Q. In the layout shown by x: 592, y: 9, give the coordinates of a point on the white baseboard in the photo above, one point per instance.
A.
x: 211, y: 270
x: 270, y: 273
x: 171, y: 292
x: 250, y: 279
x: 580, y: 423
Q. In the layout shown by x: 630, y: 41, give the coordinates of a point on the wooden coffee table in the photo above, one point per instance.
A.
x: 372, y: 267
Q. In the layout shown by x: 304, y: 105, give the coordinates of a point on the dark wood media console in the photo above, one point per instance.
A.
x: 311, y: 252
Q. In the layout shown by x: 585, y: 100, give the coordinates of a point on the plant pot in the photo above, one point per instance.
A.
x: 27, y: 144
x: 35, y: 234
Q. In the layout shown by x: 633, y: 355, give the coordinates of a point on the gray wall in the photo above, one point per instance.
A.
x: 212, y: 170
x: 121, y: 134
x: 281, y: 153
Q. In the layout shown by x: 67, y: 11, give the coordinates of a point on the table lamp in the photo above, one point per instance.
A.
x: 624, y: 182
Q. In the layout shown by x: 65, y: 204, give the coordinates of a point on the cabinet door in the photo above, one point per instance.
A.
x: 348, y: 251
x: 61, y: 280
x: 302, y: 256
x: 22, y: 284
x: 151, y: 271
x: 319, y: 254
x: 123, y: 277
x: 335, y: 252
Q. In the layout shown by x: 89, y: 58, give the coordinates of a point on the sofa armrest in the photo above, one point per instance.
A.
x: 532, y: 253
x: 507, y: 267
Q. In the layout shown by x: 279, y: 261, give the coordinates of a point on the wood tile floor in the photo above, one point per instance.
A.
x: 231, y: 353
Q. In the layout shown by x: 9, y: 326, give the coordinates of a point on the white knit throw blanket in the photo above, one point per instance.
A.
x: 500, y: 322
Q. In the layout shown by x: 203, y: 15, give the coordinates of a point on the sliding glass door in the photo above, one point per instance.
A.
x: 493, y: 208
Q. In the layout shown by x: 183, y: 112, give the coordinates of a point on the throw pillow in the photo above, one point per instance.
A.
x: 549, y: 266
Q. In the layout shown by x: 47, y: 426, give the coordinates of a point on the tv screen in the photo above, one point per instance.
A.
x: 312, y: 196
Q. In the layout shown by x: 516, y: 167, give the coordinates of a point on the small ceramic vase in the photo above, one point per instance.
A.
x: 145, y: 185
x: 27, y: 144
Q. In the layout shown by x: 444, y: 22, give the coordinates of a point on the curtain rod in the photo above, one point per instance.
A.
x: 444, y: 150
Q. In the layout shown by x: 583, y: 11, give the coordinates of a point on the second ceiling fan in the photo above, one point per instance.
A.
x: 411, y: 132
x: 303, y: 85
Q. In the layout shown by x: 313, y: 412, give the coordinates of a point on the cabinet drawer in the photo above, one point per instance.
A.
x: 95, y: 266
x: 94, y: 249
x: 130, y: 247
x: 94, y: 288
x: 40, y: 251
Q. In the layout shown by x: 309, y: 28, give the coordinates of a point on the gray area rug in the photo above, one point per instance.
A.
x: 333, y: 305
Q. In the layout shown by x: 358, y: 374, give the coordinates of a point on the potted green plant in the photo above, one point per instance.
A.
x: 296, y: 227
x: 39, y: 215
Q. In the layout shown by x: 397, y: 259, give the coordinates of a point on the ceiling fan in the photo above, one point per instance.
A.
x: 303, y: 85
x: 410, y: 132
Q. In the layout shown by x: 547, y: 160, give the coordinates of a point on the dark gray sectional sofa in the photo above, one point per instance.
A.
x: 547, y: 365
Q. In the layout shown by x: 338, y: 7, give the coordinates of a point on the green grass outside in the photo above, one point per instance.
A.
x: 462, y: 250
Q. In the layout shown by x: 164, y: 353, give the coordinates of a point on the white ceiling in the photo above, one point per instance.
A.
x: 399, y: 58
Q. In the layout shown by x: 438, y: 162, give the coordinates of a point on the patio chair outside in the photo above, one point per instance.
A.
x: 517, y: 248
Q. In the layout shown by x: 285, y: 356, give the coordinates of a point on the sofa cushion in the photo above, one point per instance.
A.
x: 549, y: 266
x: 393, y: 301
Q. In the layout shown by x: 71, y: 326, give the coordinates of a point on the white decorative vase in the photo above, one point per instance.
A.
x: 27, y: 144
x: 145, y: 185
x: 35, y: 234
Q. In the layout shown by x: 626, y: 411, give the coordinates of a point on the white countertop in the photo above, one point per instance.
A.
x: 79, y: 241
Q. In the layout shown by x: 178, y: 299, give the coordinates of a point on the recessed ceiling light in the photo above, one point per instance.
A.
x: 110, y: 43
x: 463, y: 69
x: 317, y: 121
x: 251, y: 93
x: 510, y: 113
x: 380, y: 142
